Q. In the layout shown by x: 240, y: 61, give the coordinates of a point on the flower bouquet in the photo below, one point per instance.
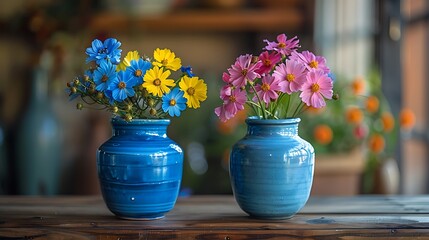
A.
x: 278, y: 83
x: 138, y: 87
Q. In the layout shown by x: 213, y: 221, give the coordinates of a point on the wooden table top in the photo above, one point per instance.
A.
x: 216, y: 217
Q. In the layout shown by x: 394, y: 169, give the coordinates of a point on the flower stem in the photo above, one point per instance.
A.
x: 261, y: 106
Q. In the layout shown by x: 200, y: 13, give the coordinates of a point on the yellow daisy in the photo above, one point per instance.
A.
x: 166, y: 58
x: 131, y: 55
x: 195, y: 91
x: 155, y: 81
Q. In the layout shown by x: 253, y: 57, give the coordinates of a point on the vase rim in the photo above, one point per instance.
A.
x: 120, y: 121
x: 259, y: 120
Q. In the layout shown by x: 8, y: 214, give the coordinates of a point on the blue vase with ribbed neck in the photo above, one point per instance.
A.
x: 271, y: 169
x: 140, y: 169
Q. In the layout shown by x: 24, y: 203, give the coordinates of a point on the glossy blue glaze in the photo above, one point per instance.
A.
x: 140, y: 169
x: 271, y: 169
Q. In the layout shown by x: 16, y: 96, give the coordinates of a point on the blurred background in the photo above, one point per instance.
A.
x: 42, y: 46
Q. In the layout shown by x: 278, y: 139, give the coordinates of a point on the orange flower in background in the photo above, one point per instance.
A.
x: 354, y: 115
x: 388, y: 121
x: 358, y: 86
x: 315, y: 111
x: 376, y: 143
x: 372, y: 103
x: 407, y: 119
x: 323, y: 134
x: 229, y: 126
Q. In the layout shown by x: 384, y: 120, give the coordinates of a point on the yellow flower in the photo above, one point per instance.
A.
x: 131, y: 55
x: 195, y: 91
x: 155, y: 81
x: 166, y: 58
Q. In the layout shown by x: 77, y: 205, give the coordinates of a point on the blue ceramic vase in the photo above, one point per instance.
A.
x: 140, y: 169
x: 271, y: 169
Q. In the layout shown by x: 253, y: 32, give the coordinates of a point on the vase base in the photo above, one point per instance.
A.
x: 141, y: 218
x: 271, y: 218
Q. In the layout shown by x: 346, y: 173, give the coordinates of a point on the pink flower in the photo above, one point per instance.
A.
x: 310, y: 60
x: 232, y: 104
x: 291, y: 76
x: 226, y: 90
x: 317, y: 87
x: 283, y: 45
x: 243, y: 70
x: 223, y: 114
x: 267, y: 90
x: 226, y: 78
x: 360, y: 131
x: 268, y: 61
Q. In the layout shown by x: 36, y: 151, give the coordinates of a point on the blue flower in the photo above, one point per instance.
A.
x: 138, y: 69
x: 104, y: 75
x: 108, y: 94
x: 187, y: 70
x: 122, y: 86
x: 108, y: 50
x: 174, y: 102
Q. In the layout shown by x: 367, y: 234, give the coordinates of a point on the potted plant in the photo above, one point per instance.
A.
x: 139, y: 167
x: 271, y: 168
x: 355, y: 137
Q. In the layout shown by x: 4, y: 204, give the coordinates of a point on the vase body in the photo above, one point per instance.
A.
x: 140, y: 169
x: 271, y: 169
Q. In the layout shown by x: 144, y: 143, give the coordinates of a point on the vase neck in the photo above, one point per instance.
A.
x: 282, y: 127
x: 141, y: 127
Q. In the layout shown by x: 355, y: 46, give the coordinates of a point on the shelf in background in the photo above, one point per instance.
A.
x: 262, y: 20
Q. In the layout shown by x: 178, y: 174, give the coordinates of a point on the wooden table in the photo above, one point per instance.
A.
x: 216, y: 217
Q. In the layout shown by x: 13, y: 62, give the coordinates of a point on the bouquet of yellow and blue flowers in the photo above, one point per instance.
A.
x: 137, y: 87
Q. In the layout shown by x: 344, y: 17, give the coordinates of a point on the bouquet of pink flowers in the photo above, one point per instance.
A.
x: 279, y: 83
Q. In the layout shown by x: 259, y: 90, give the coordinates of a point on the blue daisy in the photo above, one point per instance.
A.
x: 174, y: 102
x: 107, y: 50
x: 122, y: 86
x: 138, y: 69
x: 104, y: 75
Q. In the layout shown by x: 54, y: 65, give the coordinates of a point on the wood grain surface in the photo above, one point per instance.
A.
x: 216, y: 217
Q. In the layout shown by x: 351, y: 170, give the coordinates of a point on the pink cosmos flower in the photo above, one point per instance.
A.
x: 310, y: 60
x: 268, y: 61
x: 226, y: 90
x: 223, y: 114
x: 317, y: 87
x: 231, y: 105
x: 226, y: 78
x: 291, y: 76
x: 283, y: 45
x: 267, y: 89
x: 243, y: 70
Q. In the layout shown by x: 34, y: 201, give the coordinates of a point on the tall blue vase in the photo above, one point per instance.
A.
x: 271, y: 169
x: 140, y: 169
